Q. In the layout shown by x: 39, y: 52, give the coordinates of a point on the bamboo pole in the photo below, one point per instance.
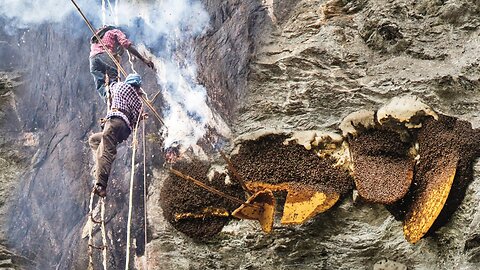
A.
x: 149, y: 105
x: 211, y: 189
x: 235, y: 173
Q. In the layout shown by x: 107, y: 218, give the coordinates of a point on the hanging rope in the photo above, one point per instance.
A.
x: 130, y: 197
x: 131, y: 62
x: 145, y: 194
x: 104, y: 13
x: 111, y: 9
x: 90, y: 229
x: 104, y: 233
x: 147, y: 102
x: 144, y: 175
x: 134, y: 143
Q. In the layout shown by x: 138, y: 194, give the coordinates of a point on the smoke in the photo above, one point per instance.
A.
x: 26, y: 12
x: 149, y: 21
x: 167, y: 29
x: 188, y: 117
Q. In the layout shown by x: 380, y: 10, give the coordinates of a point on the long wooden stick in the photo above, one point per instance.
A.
x: 155, y: 97
x: 235, y: 173
x: 149, y: 105
x: 211, y: 189
x: 130, y: 196
x: 145, y: 195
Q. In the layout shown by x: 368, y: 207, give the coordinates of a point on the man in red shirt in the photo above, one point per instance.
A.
x: 100, y: 62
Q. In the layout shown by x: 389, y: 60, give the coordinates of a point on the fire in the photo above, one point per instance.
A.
x: 172, y: 154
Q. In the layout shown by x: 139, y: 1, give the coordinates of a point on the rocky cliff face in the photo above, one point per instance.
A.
x: 329, y: 57
x: 299, y: 64
x: 13, y: 161
x: 313, y: 63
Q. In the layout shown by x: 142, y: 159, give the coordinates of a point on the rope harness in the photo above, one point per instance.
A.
x: 145, y: 194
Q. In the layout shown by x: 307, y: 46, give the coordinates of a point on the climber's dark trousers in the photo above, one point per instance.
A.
x: 105, y: 144
x: 100, y: 65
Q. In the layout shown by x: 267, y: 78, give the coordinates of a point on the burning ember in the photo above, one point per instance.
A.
x: 172, y: 154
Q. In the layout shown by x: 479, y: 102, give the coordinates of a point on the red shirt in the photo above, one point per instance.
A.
x: 115, y: 40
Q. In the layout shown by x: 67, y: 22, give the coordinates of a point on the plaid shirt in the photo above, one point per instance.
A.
x: 126, y: 103
x: 115, y: 40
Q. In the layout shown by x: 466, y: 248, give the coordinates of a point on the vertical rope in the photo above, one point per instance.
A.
x: 104, y: 234
x: 130, y: 197
x: 145, y: 195
x: 131, y: 62
x: 110, y: 6
x: 116, y: 12
x: 90, y: 229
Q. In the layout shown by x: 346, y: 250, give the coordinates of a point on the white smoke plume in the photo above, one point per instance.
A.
x: 187, y: 117
x: 166, y: 28
x: 26, y: 12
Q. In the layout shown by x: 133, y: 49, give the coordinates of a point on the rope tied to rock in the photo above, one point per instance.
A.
x: 145, y: 194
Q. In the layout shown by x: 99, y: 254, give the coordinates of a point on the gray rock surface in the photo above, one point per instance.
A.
x: 12, y: 161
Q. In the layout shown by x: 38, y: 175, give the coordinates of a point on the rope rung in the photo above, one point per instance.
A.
x: 97, y: 247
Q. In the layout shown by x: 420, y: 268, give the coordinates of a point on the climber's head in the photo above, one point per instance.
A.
x: 134, y: 80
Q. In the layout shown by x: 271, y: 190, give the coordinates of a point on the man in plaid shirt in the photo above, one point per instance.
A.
x: 101, y: 63
x: 121, y: 118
